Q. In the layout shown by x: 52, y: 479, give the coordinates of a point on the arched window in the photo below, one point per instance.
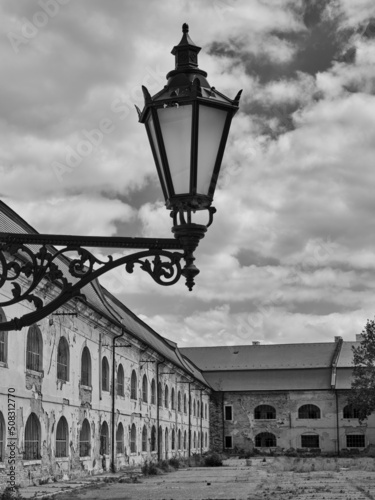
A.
x: 190, y: 405
x: 350, y: 411
x: 194, y: 408
x: 105, y: 374
x: 144, y: 438
x: 309, y: 441
x: 86, y: 367
x: 32, y: 438
x: 120, y: 439
x: 198, y: 439
x: 153, y: 392
x: 198, y: 409
x: 179, y: 401
x: 184, y: 440
x: 34, y: 348
x: 160, y: 395
x: 265, y: 440
x: 172, y: 399
x: 185, y: 406
x: 166, y: 440
x: 120, y: 380
x: 166, y: 397
x: 179, y: 439
x: 133, y: 439
x: 173, y: 439
x: 309, y: 411
x: 104, y: 439
x: 63, y: 359
x: 153, y: 438
x: 194, y: 440
x: 160, y: 439
x: 2, y: 437
x: 206, y: 440
x: 133, y: 385
x: 84, y: 439
x: 144, y: 389
x: 3, y: 340
x: 205, y: 411
x: 264, y: 412
x: 62, y: 438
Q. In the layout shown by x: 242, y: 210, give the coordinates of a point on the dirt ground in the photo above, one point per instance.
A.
x: 276, y: 479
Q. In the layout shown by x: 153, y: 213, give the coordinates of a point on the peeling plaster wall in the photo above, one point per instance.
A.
x: 50, y: 399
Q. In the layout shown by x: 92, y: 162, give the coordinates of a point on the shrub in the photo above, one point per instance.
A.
x: 174, y: 462
x: 213, y: 460
x: 11, y: 493
x: 149, y: 469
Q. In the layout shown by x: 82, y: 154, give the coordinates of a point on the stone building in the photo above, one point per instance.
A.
x: 282, y: 396
x: 92, y: 386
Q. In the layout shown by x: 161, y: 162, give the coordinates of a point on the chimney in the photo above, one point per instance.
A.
x: 338, y: 338
x: 359, y: 337
x: 256, y: 342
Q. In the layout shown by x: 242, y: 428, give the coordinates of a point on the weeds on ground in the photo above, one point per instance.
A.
x: 11, y: 493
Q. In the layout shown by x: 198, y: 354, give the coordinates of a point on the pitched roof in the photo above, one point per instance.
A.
x: 262, y: 357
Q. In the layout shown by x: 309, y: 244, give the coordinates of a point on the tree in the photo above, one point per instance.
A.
x: 362, y: 395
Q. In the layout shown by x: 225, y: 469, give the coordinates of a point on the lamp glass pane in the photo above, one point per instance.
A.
x: 156, y: 146
x: 211, y: 127
x: 175, y: 124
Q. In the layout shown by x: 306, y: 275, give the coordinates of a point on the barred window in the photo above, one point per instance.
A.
x: 34, y: 349
x: 350, y: 411
x: 2, y: 437
x: 310, y: 441
x: 265, y: 440
x: 179, y: 439
x: 86, y: 367
x: 104, y: 439
x: 160, y: 395
x: 120, y: 439
x: 185, y: 407
x: 173, y: 439
x: 63, y: 359
x: 144, y: 438
x: 153, y: 438
x: 3, y: 340
x: 172, y: 399
x: 309, y: 411
x: 133, y: 386
x: 62, y: 438
x: 32, y: 438
x: 184, y: 440
x: 179, y: 401
x: 264, y: 412
x: 120, y: 380
x: 153, y: 392
x: 84, y: 439
x: 105, y: 374
x: 144, y: 389
x: 355, y: 441
x: 166, y: 397
x: 133, y: 439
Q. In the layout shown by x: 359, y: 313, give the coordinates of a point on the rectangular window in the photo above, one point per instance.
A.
x: 2, y: 346
x: 310, y: 441
x: 228, y: 442
x: 228, y: 412
x: 355, y: 441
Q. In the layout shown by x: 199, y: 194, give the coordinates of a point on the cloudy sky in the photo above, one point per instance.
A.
x: 291, y: 254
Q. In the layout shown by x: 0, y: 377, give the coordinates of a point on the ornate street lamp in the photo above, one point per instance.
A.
x: 187, y: 123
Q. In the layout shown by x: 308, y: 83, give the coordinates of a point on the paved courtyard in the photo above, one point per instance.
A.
x: 236, y: 480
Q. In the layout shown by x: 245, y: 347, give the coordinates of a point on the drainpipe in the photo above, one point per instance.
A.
x: 337, y: 423
x: 222, y: 419
x: 189, y: 450
x: 100, y: 366
x: 334, y: 363
x: 157, y: 409
x: 201, y: 421
x: 113, y: 467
